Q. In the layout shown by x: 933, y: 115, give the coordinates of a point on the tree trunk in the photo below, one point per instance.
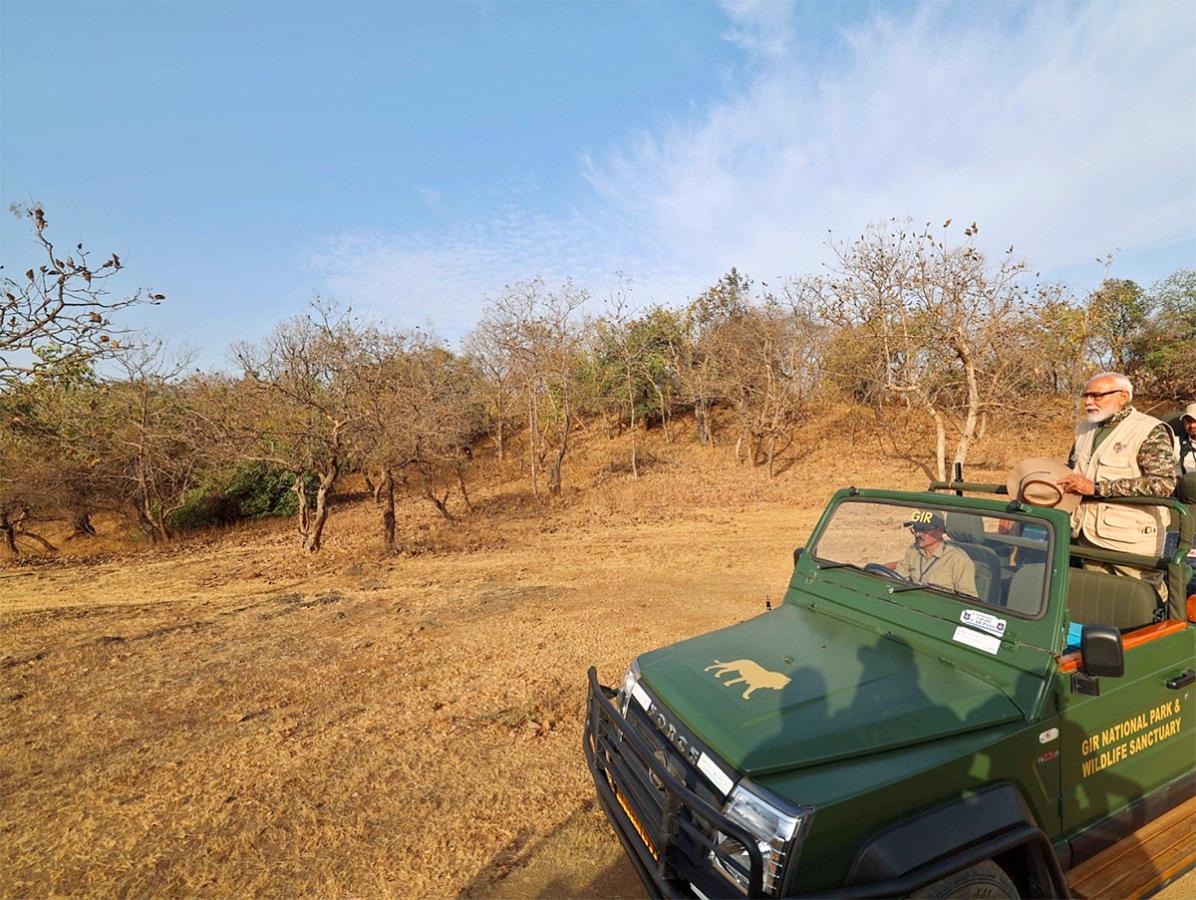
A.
x: 9, y: 532
x: 82, y: 526
x: 461, y: 485
x: 702, y: 420
x: 940, y: 445
x: 533, y: 426
x: 145, y: 522
x: 635, y: 469
x: 665, y: 419
x: 151, y: 520
x: 499, y: 440
x: 554, y: 475
x: 164, y: 534
x: 320, y: 516
x: 32, y: 535
x: 386, y: 492
x: 973, y: 414
x: 369, y: 484
x: 441, y: 504
x: 304, y: 511
x: 155, y: 517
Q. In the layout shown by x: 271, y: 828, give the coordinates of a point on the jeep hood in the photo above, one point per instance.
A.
x: 817, y: 689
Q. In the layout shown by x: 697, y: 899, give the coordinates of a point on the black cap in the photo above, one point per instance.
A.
x: 925, y: 519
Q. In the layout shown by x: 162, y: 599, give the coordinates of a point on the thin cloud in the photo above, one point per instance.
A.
x: 1067, y: 130
x: 759, y: 27
x: 446, y: 277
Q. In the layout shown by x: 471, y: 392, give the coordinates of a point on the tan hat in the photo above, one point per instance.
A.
x: 1032, y: 481
x: 1189, y: 411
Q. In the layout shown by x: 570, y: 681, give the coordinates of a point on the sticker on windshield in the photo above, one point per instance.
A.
x: 985, y: 642
x: 984, y: 621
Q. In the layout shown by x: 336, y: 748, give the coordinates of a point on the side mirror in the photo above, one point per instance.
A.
x: 797, y: 554
x: 1100, y: 646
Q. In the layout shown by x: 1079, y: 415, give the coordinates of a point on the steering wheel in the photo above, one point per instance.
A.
x: 876, y: 568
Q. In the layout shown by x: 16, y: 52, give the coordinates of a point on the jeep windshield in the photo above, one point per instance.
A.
x: 972, y: 556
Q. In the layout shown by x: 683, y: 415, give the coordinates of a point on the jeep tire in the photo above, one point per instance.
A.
x: 981, y: 881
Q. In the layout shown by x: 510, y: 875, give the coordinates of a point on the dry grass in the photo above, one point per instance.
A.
x: 228, y: 717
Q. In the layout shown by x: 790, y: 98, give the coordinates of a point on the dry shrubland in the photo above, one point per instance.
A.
x: 211, y: 716
x: 321, y: 625
x: 906, y: 322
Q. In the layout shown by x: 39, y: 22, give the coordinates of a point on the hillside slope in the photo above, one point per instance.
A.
x: 229, y: 716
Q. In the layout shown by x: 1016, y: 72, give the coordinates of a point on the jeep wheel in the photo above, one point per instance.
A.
x: 983, y: 880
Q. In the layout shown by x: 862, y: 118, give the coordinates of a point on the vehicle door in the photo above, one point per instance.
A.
x: 1122, y: 738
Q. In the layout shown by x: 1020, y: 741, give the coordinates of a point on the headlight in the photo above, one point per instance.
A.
x: 630, y: 679
x: 777, y: 827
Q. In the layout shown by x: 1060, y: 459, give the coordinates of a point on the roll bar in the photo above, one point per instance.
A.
x: 1175, y: 567
x: 980, y: 487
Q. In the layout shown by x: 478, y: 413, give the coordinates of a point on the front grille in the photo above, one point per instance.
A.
x: 660, y: 806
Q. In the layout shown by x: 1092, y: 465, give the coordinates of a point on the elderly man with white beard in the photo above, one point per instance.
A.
x: 1120, y: 452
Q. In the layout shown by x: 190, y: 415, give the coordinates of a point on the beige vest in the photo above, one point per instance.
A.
x: 1130, y: 529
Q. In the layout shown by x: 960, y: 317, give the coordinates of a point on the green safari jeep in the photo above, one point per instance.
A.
x: 875, y: 737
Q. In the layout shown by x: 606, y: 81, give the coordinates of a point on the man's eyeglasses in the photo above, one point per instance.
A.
x: 920, y: 529
x: 1096, y: 395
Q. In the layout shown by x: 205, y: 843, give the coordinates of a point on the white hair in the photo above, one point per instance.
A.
x: 1123, y: 383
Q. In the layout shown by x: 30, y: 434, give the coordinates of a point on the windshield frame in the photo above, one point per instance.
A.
x: 993, y: 509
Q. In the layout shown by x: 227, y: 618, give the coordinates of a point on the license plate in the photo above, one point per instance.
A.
x: 639, y: 829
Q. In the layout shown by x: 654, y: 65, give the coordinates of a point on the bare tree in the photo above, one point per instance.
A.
x: 1049, y: 345
x: 58, y: 311
x: 155, y: 434
x: 497, y: 389
x: 700, y: 358
x: 1117, y: 311
x: 618, y: 338
x: 307, y: 374
x: 775, y: 348
x: 56, y: 450
x: 537, y: 332
x: 419, y: 417
x: 935, y: 316
x: 1165, y: 347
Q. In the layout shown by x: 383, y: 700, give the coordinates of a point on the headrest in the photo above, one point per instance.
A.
x: 1185, y: 488
x: 965, y: 527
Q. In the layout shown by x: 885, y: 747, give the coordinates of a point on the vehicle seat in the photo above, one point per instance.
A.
x: 1185, y: 492
x: 964, y: 527
x: 1026, y: 589
x: 967, y: 533
x: 1185, y: 488
x: 1107, y: 599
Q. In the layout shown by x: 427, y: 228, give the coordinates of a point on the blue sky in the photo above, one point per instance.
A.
x: 413, y: 158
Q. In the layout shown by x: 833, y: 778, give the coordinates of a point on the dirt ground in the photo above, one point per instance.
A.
x: 413, y: 729
x: 228, y: 718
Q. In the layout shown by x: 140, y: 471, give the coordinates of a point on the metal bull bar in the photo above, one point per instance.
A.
x: 668, y: 831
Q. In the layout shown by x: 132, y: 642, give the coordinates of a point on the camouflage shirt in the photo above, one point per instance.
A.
x: 1156, y: 459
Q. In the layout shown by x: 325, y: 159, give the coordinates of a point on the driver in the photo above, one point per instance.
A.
x: 933, y: 562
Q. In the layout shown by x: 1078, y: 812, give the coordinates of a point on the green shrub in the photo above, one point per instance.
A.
x: 250, y: 490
